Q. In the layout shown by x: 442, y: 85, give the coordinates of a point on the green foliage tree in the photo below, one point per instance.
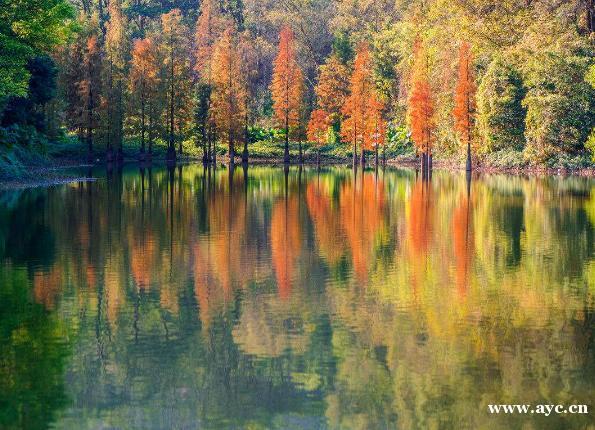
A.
x: 560, y: 106
x: 27, y: 29
x: 29, y: 111
x: 501, y: 114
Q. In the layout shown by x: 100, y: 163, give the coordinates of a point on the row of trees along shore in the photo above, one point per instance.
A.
x: 462, y: 79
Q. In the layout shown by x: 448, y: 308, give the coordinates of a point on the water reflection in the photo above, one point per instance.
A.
x: 264, y: 298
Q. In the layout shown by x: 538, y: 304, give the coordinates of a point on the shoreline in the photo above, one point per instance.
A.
x: 50, y: 175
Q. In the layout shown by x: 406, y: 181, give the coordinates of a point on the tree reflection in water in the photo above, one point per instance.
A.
x: 258, y: 298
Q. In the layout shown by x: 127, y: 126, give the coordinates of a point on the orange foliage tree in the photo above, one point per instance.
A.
x: 375, y: 134
x: 287, y: 86
x: 355, y: 107
x: 464, y: 111
x: 332, y: 88
x: 174, y: 46
x: 209, y: 27
x: 143, y: 84
x: 228, y: 98
x: 317, y: 129
x: 421, y: 107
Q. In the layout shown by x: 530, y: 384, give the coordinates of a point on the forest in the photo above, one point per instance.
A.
x: 506, y: 83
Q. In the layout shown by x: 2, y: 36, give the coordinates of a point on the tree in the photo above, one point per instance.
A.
x: 332, y: 88
x: 375, y: 134
x: 560, y: 106
x: 202, y: 104
x: 287, y: 85
x: 89, y: 90
x: 501, y: 116
x: 464, y: 111
x: 209, y: 27
x: 28, y: 29
x: 228, y: 98
x: 116, y: 51
x: 30, y: 110
x: 248, y: 81
x: 317, y: 130
x: 143, y: 85
x: 174, y: 45
x: 421, y: 108
x: 355, y: 106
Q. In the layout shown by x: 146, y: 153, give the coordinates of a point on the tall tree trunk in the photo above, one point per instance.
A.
x: 205, y: 154
x: 286, y: 152
x: 120, y: 122
x: 89, y: 136
x: 180, y: 149
x: 214, y: 143
x: 231, y: 149
x: 301, y: 158
x: 110, y: 151
x: 171, y: 150
x: 245, y: 152
x: 363, y: 156
x: 469, y: 166
x: 142, y: 123
x: 150, y: 154
x: 354, y: 150
x: 376, y: 155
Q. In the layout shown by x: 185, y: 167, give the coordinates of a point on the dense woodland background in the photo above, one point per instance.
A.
x: 511, y: 80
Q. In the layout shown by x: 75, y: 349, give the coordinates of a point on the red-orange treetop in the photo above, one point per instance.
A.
x: 287, y: 86
x: 421, y: 106
x: 464, y: 110
x: 355, y: 106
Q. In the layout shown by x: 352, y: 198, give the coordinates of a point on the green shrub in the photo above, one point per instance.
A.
x: 509, y: 158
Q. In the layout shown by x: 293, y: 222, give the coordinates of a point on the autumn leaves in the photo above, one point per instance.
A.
x: 421, y: 104
x: 287, y: 86
x: 350, y: 103
x: 166, y: 87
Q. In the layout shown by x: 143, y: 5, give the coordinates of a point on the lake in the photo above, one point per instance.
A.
x: 199, y: 298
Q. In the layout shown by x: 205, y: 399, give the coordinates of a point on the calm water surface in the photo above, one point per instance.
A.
x: 194, y: 298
